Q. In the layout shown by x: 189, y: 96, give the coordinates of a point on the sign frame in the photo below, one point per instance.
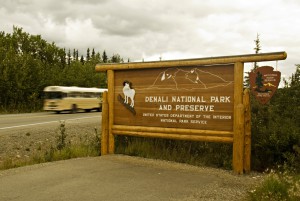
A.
x: 240, y: 136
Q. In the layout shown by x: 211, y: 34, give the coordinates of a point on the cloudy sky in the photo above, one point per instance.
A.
x: 170, y: 29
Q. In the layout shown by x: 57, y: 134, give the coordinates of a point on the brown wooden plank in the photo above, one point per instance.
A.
x: 175, y: 136
x: 172, y: 130
x: 273, y: 56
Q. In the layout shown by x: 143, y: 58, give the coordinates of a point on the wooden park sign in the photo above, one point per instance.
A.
x: 264, y: 82
x: 195, y: 99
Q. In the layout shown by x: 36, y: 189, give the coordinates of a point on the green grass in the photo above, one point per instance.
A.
x: 195, y: 153
x: 277, y: 187
x: 73, y: 151
x: 61, y: 150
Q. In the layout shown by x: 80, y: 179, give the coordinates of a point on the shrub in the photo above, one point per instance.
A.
x: 195, y: 153
x: 276, y: 130
x: 277, y: 187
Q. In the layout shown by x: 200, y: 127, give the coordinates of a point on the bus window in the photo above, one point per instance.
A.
x: 53, y: 95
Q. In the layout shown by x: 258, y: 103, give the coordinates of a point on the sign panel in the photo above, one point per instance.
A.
x: 264, y: 82
x: 198, y: 97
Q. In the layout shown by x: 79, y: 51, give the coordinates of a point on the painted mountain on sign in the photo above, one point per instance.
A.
x: 179, y: 79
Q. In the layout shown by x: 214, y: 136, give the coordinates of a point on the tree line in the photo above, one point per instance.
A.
x: 28, y: 63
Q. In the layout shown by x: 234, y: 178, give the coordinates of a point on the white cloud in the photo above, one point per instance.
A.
x: 171, y: 29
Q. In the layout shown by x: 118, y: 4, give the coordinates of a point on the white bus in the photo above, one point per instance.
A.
x: 60, y: 98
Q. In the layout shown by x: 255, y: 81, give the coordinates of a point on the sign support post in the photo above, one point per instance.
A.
x: 110, y: 83
x: 247, y: 156
x: 104, y: 134
x: 238, y: 123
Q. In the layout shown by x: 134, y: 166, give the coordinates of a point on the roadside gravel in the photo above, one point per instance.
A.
x: 28, y: 141
x: 224, y: 185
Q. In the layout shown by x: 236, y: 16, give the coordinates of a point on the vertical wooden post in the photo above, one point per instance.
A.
x: 110, y: 84
x: 238, y: 140
x: 104, y: 135
x: 247, y: 155
x: 238, y: 123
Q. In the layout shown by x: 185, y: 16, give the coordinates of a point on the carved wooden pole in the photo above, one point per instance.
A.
x: 110, y: 83
x: 238, y: 123
x: 247, y: 156
x: 104, y: 135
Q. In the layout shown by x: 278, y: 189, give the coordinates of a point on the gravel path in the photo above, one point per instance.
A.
x: 122, y: 178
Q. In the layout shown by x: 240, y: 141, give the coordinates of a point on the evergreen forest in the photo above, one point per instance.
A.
x: 28, y: 64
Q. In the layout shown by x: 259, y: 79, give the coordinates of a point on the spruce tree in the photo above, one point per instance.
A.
x: 88, y: 54
x: 63, y: 57
x: 257, y: 50
x: 104, y: 57
x: 82, y: 59
x: 74, y: 54
x: 93, y: 53
x: 69, y: 57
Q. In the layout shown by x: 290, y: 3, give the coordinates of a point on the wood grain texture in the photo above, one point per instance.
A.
x: 238, y: 124
x: 110, y: 84
x: 175, y: 136
x: 105, y: 126
x: 238, y: 141
x: 172, y: 130
x: 273, y: 56
x: 247, y: 154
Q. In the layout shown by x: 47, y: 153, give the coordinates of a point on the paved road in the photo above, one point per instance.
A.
x: 14, y: 122
x: 117, y: 177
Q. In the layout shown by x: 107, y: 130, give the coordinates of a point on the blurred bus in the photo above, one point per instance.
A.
x: 61, y: 98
